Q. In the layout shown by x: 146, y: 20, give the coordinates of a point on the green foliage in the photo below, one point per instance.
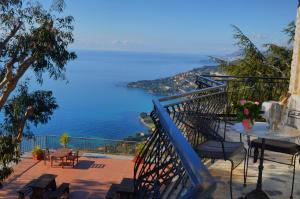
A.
x: 37, y: 151
x: 64, y: 139
x: 139, y: 147
x: 275, y: 61
x: 41, y: 103
x: 290, y: 31
x: 9, y: 153
x: 248, y: 110
x: 31, y: 38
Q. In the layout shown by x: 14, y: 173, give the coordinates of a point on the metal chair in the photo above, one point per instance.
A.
x: 284, y: 147
x: 73, y: 157
x: 215, y: 146
x: 200, y: 118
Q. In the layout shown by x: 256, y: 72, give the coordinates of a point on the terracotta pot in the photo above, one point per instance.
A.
x: 37, y: 156
x: 247, y: 124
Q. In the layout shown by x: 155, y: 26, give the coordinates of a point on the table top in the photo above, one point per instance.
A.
x: 261, y: 130
x: 43, y: 181
x: 60, y: 153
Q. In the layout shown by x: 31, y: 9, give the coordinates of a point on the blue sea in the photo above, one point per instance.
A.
x: 94, y: 100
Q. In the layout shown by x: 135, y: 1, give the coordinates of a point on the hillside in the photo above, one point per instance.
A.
x: 179, y: 83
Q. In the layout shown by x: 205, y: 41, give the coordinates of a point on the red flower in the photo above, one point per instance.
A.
x: 246, y: 111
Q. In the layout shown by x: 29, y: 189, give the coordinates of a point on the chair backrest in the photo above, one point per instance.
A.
x: 293, y: 118
x: 202, y: 116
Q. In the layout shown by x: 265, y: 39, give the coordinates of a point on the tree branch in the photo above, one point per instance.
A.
x: 21, y: 125
x: 11, y: 85
x: 9, y: 36
x: 8, y: 74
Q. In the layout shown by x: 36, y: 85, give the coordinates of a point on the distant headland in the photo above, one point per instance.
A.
x: 179, y: 83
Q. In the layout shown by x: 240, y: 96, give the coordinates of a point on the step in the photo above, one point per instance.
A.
x: 123, y: 190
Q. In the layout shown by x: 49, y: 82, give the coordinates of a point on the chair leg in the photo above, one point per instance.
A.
x: 245, y: 167
x: 230, y: 182
x: 294, y: 169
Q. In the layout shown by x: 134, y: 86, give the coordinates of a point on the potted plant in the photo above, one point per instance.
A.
x: 37, y: 153
x: 247, y: 112
x: 64, y: 139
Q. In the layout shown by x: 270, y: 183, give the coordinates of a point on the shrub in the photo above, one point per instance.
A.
x: 64, y: 139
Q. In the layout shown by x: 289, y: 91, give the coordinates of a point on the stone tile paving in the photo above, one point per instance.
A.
x: 90, y: 179
x: 277, y: 179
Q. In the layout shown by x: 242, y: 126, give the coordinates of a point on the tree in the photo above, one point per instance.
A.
x: 290, y: 31
x: 274, y: 61
x: 36, y: 39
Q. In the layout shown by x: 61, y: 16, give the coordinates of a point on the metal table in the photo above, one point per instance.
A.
x: 260, y: 130
x: 60, y: 154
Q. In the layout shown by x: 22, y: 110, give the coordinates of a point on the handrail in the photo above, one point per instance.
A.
x: 231, y: 76
x: 94, y: 144
x: 168, y: 159
x: 86, y: 138
x: 202, y: 181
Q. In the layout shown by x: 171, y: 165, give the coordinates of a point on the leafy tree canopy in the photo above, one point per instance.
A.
x: 31, y: 38
x: 274, y: 61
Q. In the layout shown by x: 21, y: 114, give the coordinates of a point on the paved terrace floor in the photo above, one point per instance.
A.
x: 92, y: 177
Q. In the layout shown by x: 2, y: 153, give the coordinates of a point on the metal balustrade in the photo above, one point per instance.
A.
x: 251, y: 88
x: 81, y: 143
x: 168, y: 166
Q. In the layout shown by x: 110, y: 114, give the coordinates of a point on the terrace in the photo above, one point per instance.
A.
x: 199, y: 147
x: 168, y: 166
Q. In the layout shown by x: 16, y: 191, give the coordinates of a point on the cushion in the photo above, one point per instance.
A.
x: 213, y: 149
x: 277, y: 146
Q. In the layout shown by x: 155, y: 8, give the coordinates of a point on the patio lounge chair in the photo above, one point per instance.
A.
x: 285, y: 147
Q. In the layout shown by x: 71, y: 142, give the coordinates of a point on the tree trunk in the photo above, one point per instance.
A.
x: 12, y: 83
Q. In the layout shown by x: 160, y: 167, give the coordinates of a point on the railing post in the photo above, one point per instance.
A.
x: 46, y: 142
x: 34, y: 142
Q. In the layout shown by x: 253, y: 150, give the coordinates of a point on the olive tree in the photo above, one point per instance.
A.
x: 35, y: 39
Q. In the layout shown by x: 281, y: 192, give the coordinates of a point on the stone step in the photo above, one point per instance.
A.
x: 124, y: 190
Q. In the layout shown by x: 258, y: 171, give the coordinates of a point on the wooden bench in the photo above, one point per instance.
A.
x: 62, y: 192
x: 26, y: 190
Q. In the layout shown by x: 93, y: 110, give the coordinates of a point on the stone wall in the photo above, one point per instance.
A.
x: 294, y: 102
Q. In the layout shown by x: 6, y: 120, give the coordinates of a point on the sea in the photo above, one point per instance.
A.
x: 94, y: 100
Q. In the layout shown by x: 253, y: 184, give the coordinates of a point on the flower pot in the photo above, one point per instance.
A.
x: 37, y: 156
x: 247, y: 124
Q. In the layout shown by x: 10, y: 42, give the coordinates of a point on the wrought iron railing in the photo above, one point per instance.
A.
x: 252, y: 88
x: 168, y: 166
x: 100, y: 145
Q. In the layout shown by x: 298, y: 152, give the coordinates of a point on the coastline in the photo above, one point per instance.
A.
x: 176, y: 84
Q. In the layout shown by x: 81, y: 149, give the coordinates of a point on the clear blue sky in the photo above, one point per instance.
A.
x: 188, y: 26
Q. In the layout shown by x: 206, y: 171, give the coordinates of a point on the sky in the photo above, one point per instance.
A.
x: 177, y: 26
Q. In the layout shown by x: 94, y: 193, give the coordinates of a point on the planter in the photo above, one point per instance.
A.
x: 247, y: 124
x: 37, y: 156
